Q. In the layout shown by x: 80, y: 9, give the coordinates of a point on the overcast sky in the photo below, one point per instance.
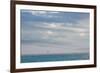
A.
x: 50, y: 32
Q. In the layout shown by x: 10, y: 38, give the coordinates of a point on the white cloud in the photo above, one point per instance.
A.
x: 52, y: 25
x: 38, y: 12
x: 60, y: 26
x: 49, y: 32
x: 44, y: 14
x: 72, y: 39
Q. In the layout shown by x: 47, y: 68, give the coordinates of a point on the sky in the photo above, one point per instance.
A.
x: 54, y: 32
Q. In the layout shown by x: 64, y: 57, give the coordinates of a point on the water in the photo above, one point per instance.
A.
x: 54, y: 57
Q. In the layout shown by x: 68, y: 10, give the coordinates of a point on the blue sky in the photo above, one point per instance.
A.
x: 51, y: 32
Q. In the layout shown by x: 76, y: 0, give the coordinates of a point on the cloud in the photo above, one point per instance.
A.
x: 42, y: 12
x: 38, y: 12
x: 51, y: 16
x: 52, y: 37
x: 46, y: 14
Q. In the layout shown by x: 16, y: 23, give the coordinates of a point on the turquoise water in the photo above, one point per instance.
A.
x: 54, y: 57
